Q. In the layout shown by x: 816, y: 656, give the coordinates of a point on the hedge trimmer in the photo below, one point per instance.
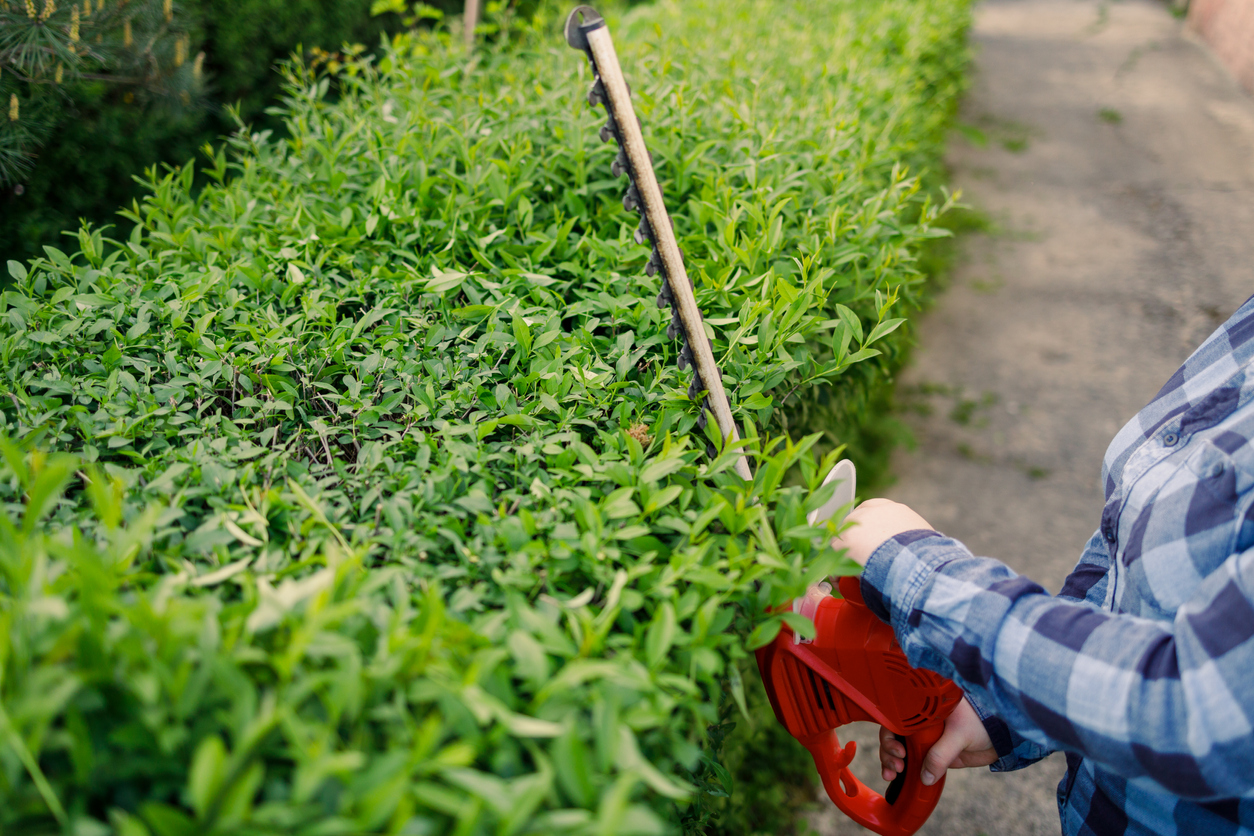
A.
x: 853, y: 670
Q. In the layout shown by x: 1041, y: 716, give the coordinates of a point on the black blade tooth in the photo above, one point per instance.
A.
x: 665, y: 298
x: 676, y: 328
x: 711, y: 450
x: 643, y: 233
x: 685, y: 357
x: 619, y: 167
x: 631, y: 200
x: 596, y: 95
x: 607, y: 131
x: 655, y: 264
x: 696, y: 387
x: 703, y: 418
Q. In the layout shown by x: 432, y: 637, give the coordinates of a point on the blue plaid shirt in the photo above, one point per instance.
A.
x: 1142, y: 668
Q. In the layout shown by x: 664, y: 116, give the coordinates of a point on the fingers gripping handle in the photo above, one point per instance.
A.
x: 911, y: 805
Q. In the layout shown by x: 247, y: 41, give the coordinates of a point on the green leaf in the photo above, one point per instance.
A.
x: 738, y: 689
x: 137, y: 330
x: 125, y: 824
x: 851, y: 319
x: 619, y: 504
x: 800, y: 625
x: 225, y: 573
x: 488, y: 427
x: 166, y: 820
x: 662, y: 498
x: 17, y: 270
x: 522, y: 335
x: 862, y: 354
x: 45, y: 489
x: 661, y: 635
x: 206, y: 775
x: 520, y: 725
x: 883, y: 329
x: 530, y: 660
x: 424, y: 11
x: 660, y: 468
x: 764, y: 633
x: 574, y: 767
x: 237, y: 802
x: 444, y: 281
x: 629, y: 757
x: 474, y: 312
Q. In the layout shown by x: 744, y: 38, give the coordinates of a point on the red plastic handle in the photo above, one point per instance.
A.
x: 864, y: 805
x: 854, y: 671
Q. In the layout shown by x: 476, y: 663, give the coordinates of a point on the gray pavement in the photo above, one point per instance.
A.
x: 1118, y: 176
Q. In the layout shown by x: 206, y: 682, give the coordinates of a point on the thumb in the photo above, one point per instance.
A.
x: 941, y: 755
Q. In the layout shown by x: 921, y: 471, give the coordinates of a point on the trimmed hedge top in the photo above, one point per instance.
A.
x: 357, y: 492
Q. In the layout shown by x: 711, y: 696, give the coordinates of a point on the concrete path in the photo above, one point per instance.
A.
x: 1118, y: 176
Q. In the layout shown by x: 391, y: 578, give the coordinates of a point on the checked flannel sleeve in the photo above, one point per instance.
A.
x: 1169, y: 703
x: 1087, y: 582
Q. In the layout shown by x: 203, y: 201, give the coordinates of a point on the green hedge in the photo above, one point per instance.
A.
x: 356, y: 492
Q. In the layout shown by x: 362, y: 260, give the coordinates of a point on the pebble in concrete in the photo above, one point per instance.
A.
x: 1117, y: 174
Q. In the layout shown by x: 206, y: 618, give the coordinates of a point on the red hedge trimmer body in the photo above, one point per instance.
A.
x: 853, y: 670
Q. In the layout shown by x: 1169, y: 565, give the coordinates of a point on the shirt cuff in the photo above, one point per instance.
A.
x: 882, y: 580
x: 893, y: 580
x: 1013, y: 750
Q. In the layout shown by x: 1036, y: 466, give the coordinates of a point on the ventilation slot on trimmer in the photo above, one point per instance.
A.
x: 806, y: 697
x: 818, y: 682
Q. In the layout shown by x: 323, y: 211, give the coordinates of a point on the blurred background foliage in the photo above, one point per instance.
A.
x: 76, y: 147
x: 206, y: 66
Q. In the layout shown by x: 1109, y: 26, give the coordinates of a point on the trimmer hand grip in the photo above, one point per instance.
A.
x: 911, y: 805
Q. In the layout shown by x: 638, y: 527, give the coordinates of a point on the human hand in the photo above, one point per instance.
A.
x: 964, y: 743
x: 875, y: 521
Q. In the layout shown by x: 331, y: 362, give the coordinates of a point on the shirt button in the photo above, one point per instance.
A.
x: 1216, y: 470
x: 1109, y: 533
x: 1170, y: 439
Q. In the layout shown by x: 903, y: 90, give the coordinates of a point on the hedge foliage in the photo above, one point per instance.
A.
x: 359, y: 491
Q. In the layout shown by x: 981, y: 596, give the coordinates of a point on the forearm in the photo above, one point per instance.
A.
x: 1068, y: 675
